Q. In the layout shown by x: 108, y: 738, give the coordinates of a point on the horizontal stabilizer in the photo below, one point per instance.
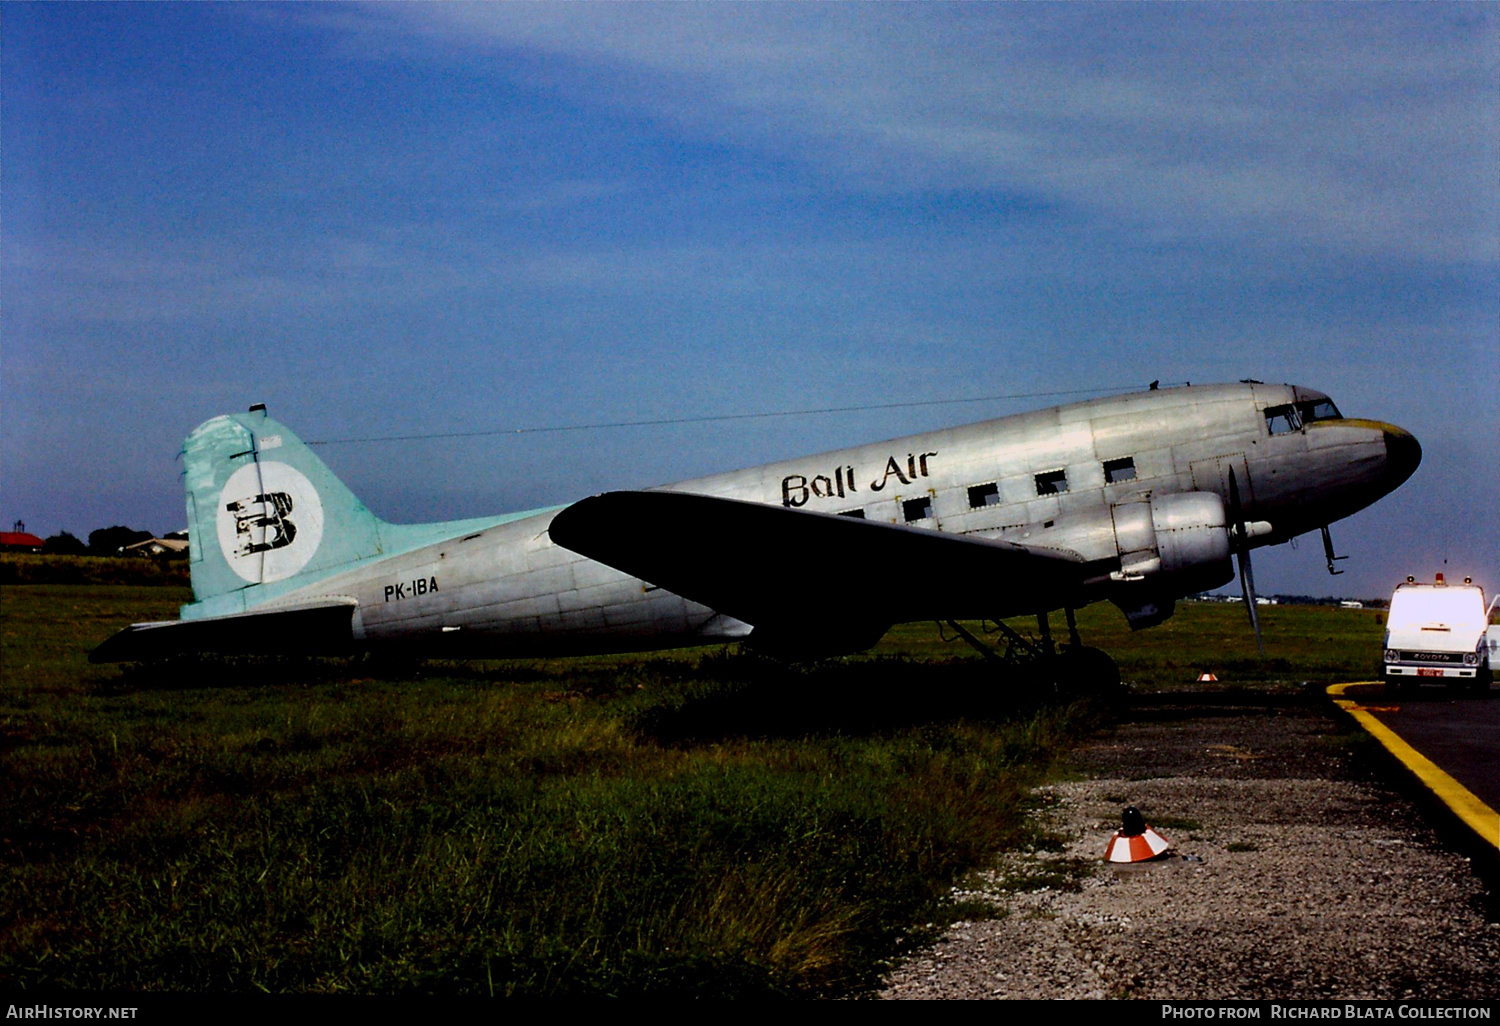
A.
x: 325, y: 628
x: 773, y: 566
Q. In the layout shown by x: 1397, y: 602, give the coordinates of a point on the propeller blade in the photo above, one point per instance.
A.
x: 1239, y: 541
x: 1247, y: 589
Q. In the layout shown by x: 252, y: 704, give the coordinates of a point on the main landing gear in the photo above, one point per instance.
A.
x: 1070, y: 671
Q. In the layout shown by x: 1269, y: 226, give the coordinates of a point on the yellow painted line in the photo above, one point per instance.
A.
x: 1484, y: 820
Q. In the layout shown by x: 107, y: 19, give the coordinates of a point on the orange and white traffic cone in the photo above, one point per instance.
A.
x: 1135, y: 841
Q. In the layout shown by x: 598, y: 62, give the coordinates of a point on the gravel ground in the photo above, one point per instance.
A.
x: 1297, y: 875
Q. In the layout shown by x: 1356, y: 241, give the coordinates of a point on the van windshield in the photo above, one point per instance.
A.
x: 1431, y: 607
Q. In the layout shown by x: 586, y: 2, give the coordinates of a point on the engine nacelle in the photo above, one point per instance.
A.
x: 1172, y: 545
x: 1184, y: 537
x: 1166, y: 546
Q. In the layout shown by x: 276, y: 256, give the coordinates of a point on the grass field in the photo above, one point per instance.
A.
x: 696, y: 823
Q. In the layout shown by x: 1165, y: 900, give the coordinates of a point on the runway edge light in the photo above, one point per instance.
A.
x: 1135, y: 841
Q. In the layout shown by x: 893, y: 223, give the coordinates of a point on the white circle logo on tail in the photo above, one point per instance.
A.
x: 270, y: 521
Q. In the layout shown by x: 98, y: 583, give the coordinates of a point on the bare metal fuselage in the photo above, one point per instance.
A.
x: 1073, y: 478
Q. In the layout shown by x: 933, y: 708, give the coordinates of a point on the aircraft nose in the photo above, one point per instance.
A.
x: 1402, y: 454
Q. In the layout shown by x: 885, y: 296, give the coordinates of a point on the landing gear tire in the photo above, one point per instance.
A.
x: 1088, y: 673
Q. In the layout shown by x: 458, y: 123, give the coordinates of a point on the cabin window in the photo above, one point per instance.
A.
x: 857, y: 514
x: 917, y: 509
x: 984, y: 495
x: 1283, y: 420
x: 1116, y: 471
x: 1053, y: 482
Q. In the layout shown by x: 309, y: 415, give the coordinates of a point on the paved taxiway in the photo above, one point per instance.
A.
x: 1450, y: 741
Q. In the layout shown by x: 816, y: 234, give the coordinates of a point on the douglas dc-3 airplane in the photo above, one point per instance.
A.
x: 1137, y: 499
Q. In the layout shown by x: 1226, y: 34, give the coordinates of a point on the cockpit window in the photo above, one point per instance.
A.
x: 1320, y: 409
x: 1281, y: 420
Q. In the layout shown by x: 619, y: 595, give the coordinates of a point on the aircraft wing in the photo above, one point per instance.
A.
x: 322, y: 628
x: 780, y: 568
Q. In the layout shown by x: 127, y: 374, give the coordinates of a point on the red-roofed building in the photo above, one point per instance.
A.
x: 19, y: 541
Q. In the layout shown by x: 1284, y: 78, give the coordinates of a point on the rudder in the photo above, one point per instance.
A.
x: 263, y: 508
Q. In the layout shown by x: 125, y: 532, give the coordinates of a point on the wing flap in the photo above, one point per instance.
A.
x: 774, y: 566
x: 322, y: 628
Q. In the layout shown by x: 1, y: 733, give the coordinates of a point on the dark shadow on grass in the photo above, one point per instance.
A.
x: 192, y: 672
x: 750, y: 696
x: 589, y: 677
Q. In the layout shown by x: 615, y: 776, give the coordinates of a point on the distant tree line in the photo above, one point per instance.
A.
x: 1298, y: 600
x: 107, y: 541
x: 1328, y: 600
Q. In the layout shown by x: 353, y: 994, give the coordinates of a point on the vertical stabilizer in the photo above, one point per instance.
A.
x: 261, y: 509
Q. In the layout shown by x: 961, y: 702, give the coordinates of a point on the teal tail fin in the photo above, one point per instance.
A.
x: 262, y: 508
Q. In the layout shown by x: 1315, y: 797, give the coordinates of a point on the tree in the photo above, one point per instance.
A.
x: 63, y: 544
x: 108, y: 541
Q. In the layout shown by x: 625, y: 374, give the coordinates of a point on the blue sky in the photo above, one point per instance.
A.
x: 410, y: 218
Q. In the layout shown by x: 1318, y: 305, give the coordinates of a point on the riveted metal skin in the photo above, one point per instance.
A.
x: 1120, y: 498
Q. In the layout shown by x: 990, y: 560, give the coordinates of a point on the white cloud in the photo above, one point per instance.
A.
x: 1367, y: 131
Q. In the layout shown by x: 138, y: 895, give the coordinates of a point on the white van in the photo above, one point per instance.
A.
x: 1436, y: 633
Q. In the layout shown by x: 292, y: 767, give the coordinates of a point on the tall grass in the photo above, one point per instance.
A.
x: 696, y: 824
